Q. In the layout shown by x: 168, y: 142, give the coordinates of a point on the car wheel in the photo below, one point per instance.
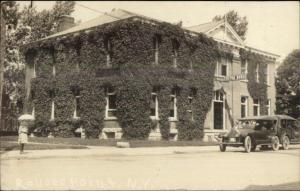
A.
x: 285, y: 142
x: 247, y: 144
x: 275, y: 143
x: 222, y: 148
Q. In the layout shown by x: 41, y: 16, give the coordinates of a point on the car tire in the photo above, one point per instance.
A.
x: 275, y: 143
x: 222, y: 148
x: 285, y: 142
x: 247, y: 144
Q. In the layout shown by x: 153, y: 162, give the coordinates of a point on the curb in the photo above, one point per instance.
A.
x: 105, y: 151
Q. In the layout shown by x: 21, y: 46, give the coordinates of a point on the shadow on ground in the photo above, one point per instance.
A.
x: 287, y: 186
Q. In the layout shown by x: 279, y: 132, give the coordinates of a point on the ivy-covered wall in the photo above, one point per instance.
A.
x: 257, y: 89
x: 80, y: 66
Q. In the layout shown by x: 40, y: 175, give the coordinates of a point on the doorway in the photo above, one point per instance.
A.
x: 218, y: 110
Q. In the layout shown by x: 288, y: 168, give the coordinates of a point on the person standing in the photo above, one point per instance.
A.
x: 25, y: 121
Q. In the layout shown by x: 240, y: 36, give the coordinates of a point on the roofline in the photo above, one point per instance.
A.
x: 262, y: 51
x: 265, y: 53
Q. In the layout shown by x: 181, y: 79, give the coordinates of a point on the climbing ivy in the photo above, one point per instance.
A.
x: 257, y: 90
x: 80, y: 63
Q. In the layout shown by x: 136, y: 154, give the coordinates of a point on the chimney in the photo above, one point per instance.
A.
x: 65, y: 22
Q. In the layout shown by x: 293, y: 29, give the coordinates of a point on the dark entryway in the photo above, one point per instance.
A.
x: 218, y: 115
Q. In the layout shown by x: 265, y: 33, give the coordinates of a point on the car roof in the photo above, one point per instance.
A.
x: 267, y: 117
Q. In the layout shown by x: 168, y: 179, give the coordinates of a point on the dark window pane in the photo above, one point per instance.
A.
x: 224, y: 70
x: 255, y: 110
x: 243, y: 99
x: 172, y: 103
x: 112, y: 102
x: 243, y: 111
x: 255, y: 101
x: 171, y: 113
x: 152, y: 112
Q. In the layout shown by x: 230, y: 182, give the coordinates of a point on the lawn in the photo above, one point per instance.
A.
x: 109, y: 142
x: 8, y: 146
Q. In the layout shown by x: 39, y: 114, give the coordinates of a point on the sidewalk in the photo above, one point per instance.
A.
x: 99, y: 151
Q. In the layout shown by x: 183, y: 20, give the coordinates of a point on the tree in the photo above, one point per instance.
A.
x: 29, y: 25
x: 8, y: 20
x: 288, y: 85
x: 239, y: 24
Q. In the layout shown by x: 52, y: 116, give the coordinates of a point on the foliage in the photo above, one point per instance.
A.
x: 257, y: 90
x: 288, y: 87
x: 239, y: 24
x: 27, y: 25
x: 133, y: 75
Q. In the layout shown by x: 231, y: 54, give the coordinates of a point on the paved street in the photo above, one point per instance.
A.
x: 165, y: 168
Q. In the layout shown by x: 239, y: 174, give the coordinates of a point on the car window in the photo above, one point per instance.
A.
x: 265, y: 125
x: 246, y: 124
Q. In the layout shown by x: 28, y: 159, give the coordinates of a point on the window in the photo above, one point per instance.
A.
x: 156, y: 48
x: 257, y: 72
x: 154, y: 106
x: 269, y: 107
x: 244, y: 67
x: 173, y: 106
x: 34, y: 70
x: 108, y: 52
x: 77, y: 107
x: 190, y: 109
x: 256, y: 107
x: 222, y: 67
x: 33, y: 111
x: 111, y: 106
x: 217, y: 69
x: 52, y: 96
x: 52, y: 111
x: 175, y: 45
x: 267, y: 74
x: 219, y: 96
x: 53, y: 70
x: 244, y: 106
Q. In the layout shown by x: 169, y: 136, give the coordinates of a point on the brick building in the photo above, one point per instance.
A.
x: 231, y: 100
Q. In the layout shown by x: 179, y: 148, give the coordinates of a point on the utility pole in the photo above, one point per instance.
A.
x: 2, y: 53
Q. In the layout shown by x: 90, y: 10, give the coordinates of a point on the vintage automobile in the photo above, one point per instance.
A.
x: 265, y: 131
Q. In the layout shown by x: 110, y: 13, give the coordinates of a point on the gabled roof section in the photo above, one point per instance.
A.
x: 209, y: 27
x: 205, y: 27
x: 115, y: 15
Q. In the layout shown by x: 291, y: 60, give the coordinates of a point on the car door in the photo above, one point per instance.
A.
x: 265, y: 131
x: 259, y: 133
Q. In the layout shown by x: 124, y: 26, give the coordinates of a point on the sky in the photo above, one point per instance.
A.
x: 273, y: 26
